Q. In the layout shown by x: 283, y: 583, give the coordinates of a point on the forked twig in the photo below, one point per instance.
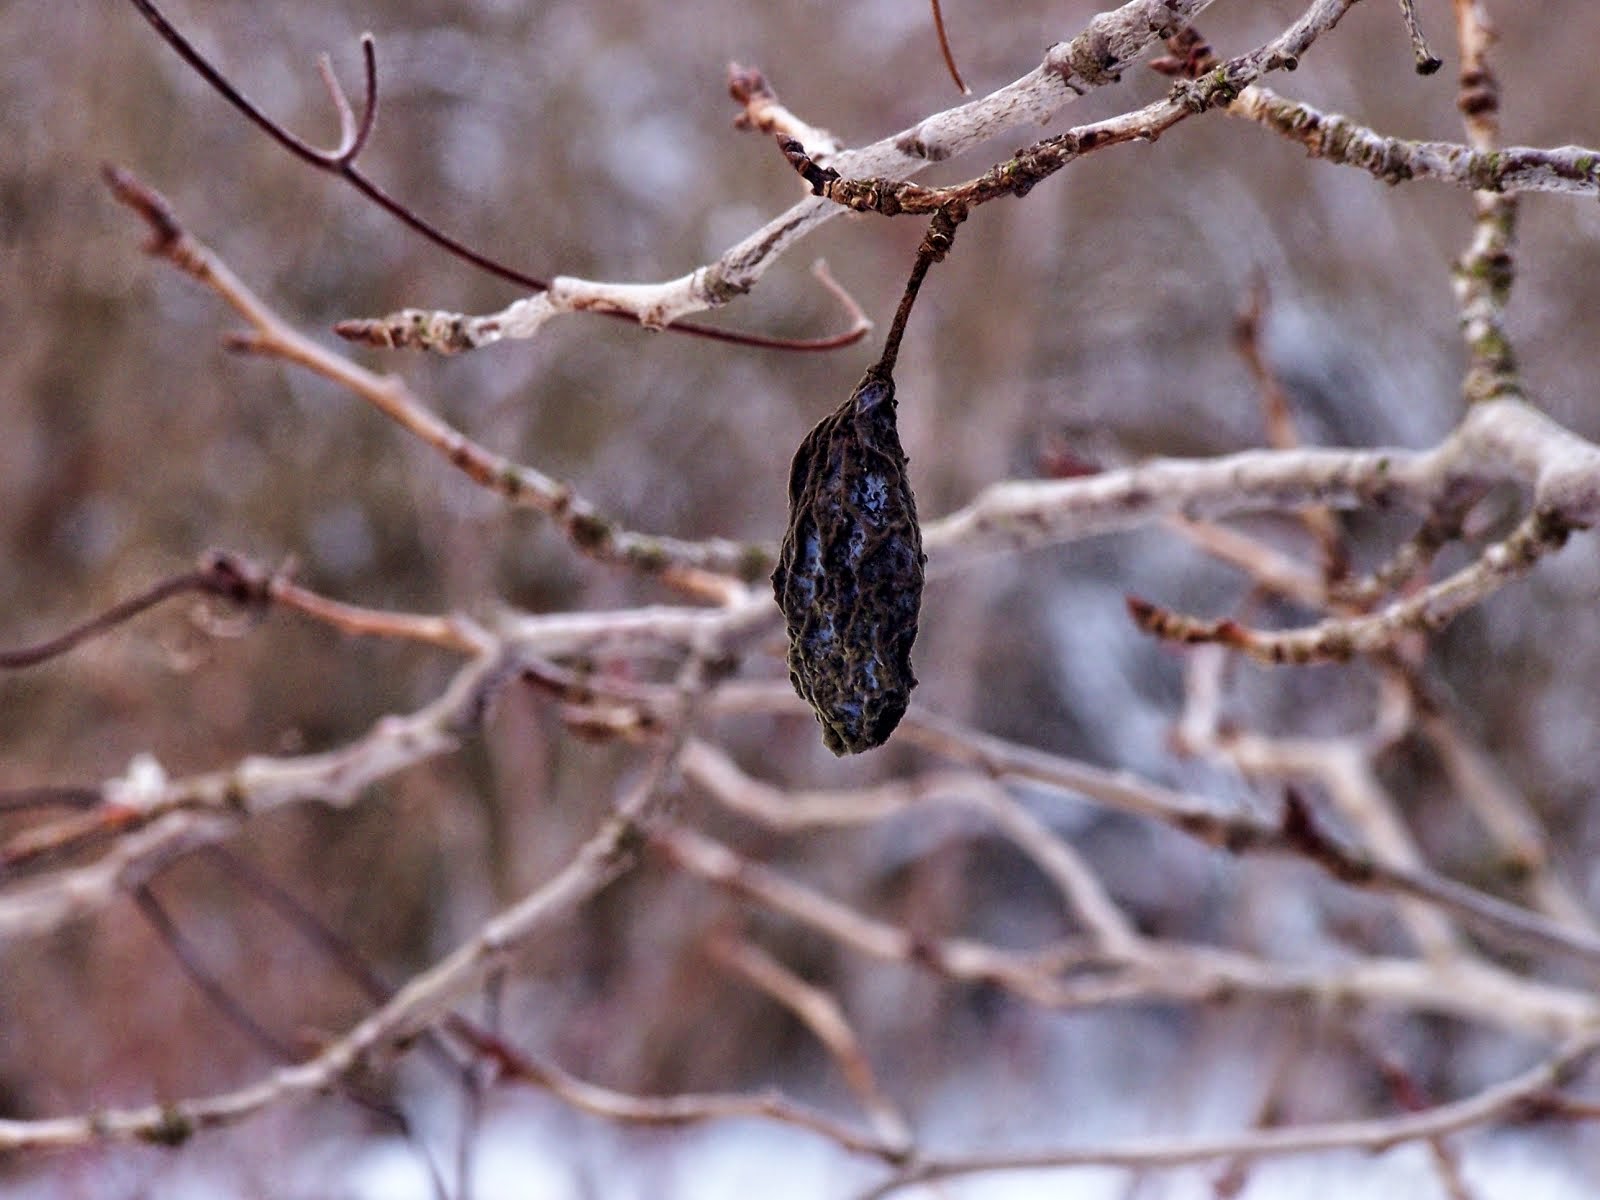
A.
x: 354, y: 135
x: 1018, y: 175
x: 1340, y: 638
x: 220, y: 575
x: 1511, y: 1097
x: 821, y: 1013
x: 683, y: 563
x: 1106, y: 957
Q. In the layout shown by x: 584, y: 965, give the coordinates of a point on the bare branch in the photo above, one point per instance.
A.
x: 723, y: 779
x: 1502, y: 442
x: 1341, y: 638
x: 1268, y: 568
x: 1070, y: 69
x: 1073, y: 976
x: 221, y: 575
x: 412, y: 1009
x: 821, y: 1014
x: 219, y: 997
x: 272, y: 336
x: 688, y: 1108
x: 340, y: 161
x: 157, y: 818
x: 1282, y: 433
x: 1523, y: 843
x: 1239, y: 833
x: 1563, y: 170
x: 1018, y: 175
x: 452, y: 332
x: 1485, y: 273
x: 762, y: 111
x: 1491, y: 1104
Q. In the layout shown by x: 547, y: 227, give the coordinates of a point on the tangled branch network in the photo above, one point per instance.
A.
x: 668, y: 686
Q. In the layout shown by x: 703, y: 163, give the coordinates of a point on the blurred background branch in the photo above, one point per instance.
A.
x: 543, y: 768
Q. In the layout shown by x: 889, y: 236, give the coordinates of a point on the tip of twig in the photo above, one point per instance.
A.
x: 368, y: 332
x: 411, y: 329
x: 747, y: 83
x: 805, y: 166
x: 1059, y: 459
x: 1141, y: 610
x: 944, y: 50
x: 1427, y: 62
x: 147, y: 202
x: 1185, y: 630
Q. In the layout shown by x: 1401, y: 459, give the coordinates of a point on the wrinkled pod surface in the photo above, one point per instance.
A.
x: 849, y: 576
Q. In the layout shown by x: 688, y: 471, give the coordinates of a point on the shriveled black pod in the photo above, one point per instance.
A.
x: 849, y: 576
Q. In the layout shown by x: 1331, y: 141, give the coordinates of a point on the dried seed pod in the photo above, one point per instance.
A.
x: 849, y: 576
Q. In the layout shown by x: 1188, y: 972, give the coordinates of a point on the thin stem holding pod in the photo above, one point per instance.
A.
x: 936, y: 244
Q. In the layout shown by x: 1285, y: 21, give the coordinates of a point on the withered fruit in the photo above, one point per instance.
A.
x: 849, y: 576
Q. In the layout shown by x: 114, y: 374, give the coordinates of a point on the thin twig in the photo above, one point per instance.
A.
x: 761, y: 110
x: 340, y: 161
x: 1282, y: 433
x: 1410, y: 1095
x: 944, y: 49
x: 1427, y: 62
x: 1018, y: 175
x: 216, y: 994
x: 28, y: 799
x: 821, y: 1013
x: 1268, y: 568
x: 229, y: 1005
x: 220, y: 575
x: 935, y: 245
x: 1295, y: 834
x: 1069, y: 70
x: 1485, y: 273
x: 1338, y: 639
x: 682, y: 1108
x: 270, y: 334
x: 1521, y: 841
x: 1491, y: 1104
